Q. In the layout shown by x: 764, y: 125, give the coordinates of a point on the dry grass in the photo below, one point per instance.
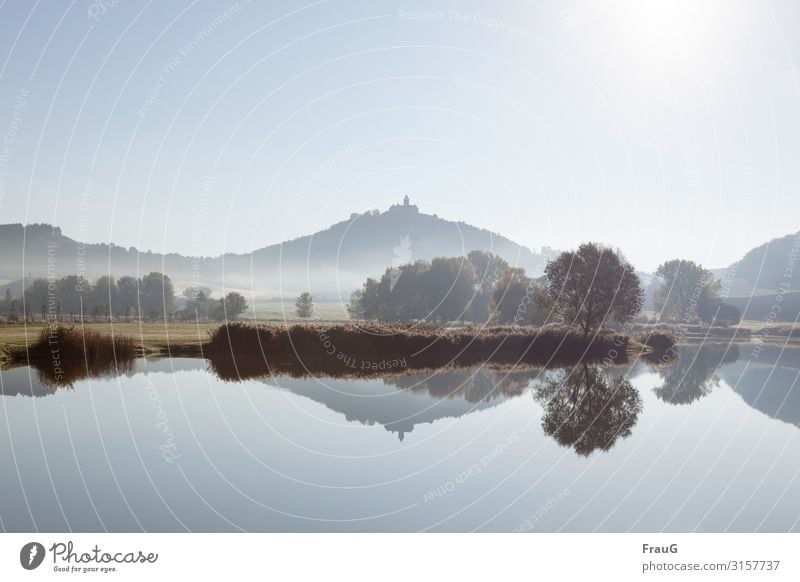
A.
x: 67, y: 342
x: 374, y: 347
x: 63, y: 354
x: 154, y: 338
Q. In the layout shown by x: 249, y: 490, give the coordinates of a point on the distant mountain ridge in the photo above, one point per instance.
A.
x: 335, y: 260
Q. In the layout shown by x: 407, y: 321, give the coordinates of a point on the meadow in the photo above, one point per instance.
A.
x: 148, y: 337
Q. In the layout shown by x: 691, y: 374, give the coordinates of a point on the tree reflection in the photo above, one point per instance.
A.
x: 474, y: 385
x: 586, y: 410
x: 692, y: 375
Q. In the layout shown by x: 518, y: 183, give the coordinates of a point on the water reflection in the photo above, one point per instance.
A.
x: 293, y: 452
x: 693, y: 374
x: 400, y: 403
x: 478, y: 385
x: 51, y: 378
x: 588, y: 410
x: 586, y: 407
x: 767, y: 377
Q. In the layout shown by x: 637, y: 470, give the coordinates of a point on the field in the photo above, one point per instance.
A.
x: 762, y: 308
x: 267, y: 310
x: 151, y: 336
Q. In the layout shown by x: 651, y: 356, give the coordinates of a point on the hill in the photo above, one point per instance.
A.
x: 331, y: 262
x: 765, y: 268
x: 765, y: 277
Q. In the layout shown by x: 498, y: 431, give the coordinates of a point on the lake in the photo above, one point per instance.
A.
x: 708, y: 443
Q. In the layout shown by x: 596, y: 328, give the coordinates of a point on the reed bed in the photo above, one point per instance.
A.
x: 247, y: 350
x: 71, y: 343
x: 64, y: 354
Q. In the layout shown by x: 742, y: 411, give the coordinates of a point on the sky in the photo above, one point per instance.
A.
x: 670, y: 129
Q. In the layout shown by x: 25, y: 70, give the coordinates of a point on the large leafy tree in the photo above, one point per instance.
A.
x: 684, y: 285
x: 689, y: 292
x: 442, y: 289
x: 233, y: 305
x: 157, y: 295
x: 487, y: 268
x: 591, y: 287
x: 514, y: 299
x: 128, y: 293
x: 364, y: 302
x: 402, y: 293
x: 449, y: 285
x: 105, y: 295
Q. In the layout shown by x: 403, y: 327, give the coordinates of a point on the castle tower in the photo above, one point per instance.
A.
x: 406, y: 201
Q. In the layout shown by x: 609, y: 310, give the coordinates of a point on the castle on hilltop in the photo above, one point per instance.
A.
x: 406, y: 206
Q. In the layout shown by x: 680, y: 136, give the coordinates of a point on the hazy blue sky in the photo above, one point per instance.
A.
x: 670, y: 129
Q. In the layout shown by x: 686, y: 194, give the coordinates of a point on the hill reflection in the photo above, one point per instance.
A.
x: 586, y: 407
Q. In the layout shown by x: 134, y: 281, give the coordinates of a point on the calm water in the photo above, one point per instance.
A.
x: 710, y: 443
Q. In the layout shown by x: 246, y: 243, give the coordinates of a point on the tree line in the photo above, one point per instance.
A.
x: 148, y: 298
x: 585, y: 289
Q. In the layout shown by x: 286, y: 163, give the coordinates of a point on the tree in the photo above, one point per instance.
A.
x: 233, y: 305
x: 448, y: 286
x: 74, y: 291
x: 488, y: 268
x: 728, y: 314
x: 127, y: 297
x: 35, y: 297
x: 591, y: 287
x: 355, y: 309
x: 8, y: 299
x: 402, y: 294
x: 364, y: 302
x: 514, y: 299
x: 304, y: 306
x: 200, y: 307
x: 711, y: 310
x: 105, y: 293
x: 157, y: 295
x: 194, y: 292
x: 685, y: 284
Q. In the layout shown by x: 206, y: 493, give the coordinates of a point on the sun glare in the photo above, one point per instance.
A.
x: 665, y: 29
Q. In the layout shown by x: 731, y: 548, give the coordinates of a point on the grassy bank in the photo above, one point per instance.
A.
x: 239, y: 350
x: 152, y: 338
x: 368, y: 341
x: 373, y: 347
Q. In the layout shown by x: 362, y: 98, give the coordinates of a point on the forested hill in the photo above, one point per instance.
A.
x: 334, y: 260
x: 763, y: 273
x: 772, y: 264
